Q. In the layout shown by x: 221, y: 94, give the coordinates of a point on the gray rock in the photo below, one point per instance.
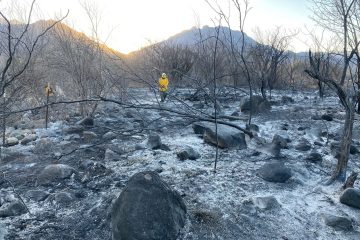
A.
x: 351, y: 197
x: 227, y: 137
x: 275, y: 172
x: 54, y: 173
x: 272, y: 149
x: 259, y: 104
x: 265, y: 203
x: 287, y: 100
x: 200, y: 127
x: 111, y: 155
x: 11, y: 141
x: 147, y: 209
x: 188, y: 153
x: 15, y: 208
x: 28, y: 138
x: 281, y: 141
x: 87, y: 121
x: 303, y: 145
x: 89, y: 136
x: 314, y: 157
x: 252, y: 127
x: 354, y: 150
x: 338, y: 222
x: 43, y: 146
x: 24, y: 124
x: 154, y: 141
x: 109, y: 136
x: 37, y: 195
x: 19, y: 134
x: 62, y: 199
x: 327, y: 117
x: 77, y: 129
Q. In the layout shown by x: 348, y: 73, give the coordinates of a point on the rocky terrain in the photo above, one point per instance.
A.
x: 61, y: 182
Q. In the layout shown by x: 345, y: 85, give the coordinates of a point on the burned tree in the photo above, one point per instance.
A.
x: 341, y: 14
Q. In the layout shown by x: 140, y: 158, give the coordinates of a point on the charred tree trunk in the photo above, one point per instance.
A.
x: 343, y: 156
x: 262, y: 88
x: 321, y: 89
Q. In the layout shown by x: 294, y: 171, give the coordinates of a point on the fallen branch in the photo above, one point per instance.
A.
x: 350, y: 181
x: 184, y: 114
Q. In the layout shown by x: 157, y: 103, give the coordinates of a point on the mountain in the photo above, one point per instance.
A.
x: 195, y: 35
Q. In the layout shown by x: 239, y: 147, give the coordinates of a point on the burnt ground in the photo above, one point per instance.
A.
x: 220, y: 206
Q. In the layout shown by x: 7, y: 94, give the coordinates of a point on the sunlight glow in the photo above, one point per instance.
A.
x: 127, y: 25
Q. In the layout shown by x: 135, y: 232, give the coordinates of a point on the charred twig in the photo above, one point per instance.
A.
x: 16, y: 193
x: 350, y: 181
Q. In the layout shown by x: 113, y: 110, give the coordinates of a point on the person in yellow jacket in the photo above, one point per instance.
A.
x: 163, y: 86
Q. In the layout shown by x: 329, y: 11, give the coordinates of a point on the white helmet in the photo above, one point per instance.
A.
x: 163, y: 75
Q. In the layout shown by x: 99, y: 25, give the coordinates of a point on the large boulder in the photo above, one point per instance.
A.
x: 147, y: 209
x: 338, y: 222
x: 227, y: 137
x: 275, y: 172
x: 15, y: 208
x: 259, y: 104
x: 351, y: 197
x: 54, y: 173
x: 187, y: 153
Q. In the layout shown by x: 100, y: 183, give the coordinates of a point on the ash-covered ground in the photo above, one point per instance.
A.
x: 233, y: 203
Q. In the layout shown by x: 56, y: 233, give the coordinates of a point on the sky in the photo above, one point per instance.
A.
x: 127, y: 25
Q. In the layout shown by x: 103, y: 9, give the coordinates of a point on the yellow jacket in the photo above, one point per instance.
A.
x: 163, y: 84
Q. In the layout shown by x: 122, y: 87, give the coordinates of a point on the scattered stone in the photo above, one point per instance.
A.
x: 266, y: 203
x: 252, y: 127
x: 303, y: 145
x: 19, y: 134
x: 275, y: 172
x: 44, y: 145
x: 89, y: 136
x: 235, y: 114
x: 165, y: 147
x: 24, y: 124
x: 11, y: 141
x: 62, y: 199
x: 335, y: 146
x: 287, y: 100
x: 15, y: 208
x: 147, y: 209
x: 314, y: 157
x: 109, y: 136
x: 37, y: 195
x: 259, y: 104
x: 54, y: 173
x: 187, y: 153
x: 272, y: 149
x: 327, y: 117
x: 77, y: 129
x: 111, y: 155
x: 28, y: 138
x: 87, y: 121
x: 351, y: 197
x: 140, y: 146
x: 281, y: 141
x: 354, y: 150
x: 154, y: 141
x: 339, y: 223
x: 200, y: 127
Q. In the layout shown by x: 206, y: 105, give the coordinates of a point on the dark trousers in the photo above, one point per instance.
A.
x: 163, y: 95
